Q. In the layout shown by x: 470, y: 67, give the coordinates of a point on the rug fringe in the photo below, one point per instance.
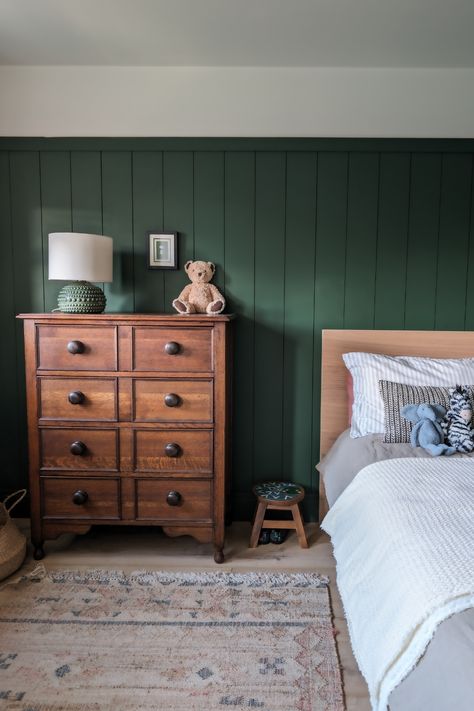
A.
x: 145, y: 577
x: 34, y: 572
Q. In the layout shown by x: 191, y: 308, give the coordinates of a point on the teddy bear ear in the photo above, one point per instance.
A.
x: 187, y: 265
x: 213, y: 266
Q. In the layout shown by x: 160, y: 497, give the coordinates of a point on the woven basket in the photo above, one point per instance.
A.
x: 12, y: 541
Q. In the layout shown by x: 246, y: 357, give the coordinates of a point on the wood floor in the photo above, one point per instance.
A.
x: 145, y: 548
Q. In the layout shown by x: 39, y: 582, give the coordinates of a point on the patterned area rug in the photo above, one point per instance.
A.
x: 103, y: 641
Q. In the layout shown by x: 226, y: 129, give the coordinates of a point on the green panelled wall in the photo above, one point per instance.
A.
x: 306, y: 234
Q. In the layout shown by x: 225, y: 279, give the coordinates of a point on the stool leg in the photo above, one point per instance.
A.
x: 295, y: 510
x: 257, y: 526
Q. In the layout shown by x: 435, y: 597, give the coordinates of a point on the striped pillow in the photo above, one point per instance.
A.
x: 368, y: 368
x: 396, y: 395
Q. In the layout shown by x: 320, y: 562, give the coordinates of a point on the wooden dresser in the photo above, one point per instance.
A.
x: 128, y: 423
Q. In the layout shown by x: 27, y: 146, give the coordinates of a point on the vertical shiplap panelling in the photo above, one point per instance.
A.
x: 86, y: 192
x: 453, y: 248
x: 361, y: 252
x: 394, y: 200
x: 147, y: 215
x: 209, y: 211
x: 331, y: 226
x: 423, y: 234
x: 240, y: 291
x: 9, y: 414
x: 298, y: 318
x: 117, y: 223
x: 330, y: 267
x: 178, y: 211
x: 27, y: 244
x: 469, y: 321
x: 26, y: 230
x: 270, y: 184
x: 422, y: 260
x: 55, y: 167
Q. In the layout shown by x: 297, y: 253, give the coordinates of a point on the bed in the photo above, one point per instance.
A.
x: 401, y: 523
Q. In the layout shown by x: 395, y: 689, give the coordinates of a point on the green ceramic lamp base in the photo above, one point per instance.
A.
x: 81, y: 297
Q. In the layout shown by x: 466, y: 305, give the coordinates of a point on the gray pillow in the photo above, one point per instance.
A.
x: 396, y: 395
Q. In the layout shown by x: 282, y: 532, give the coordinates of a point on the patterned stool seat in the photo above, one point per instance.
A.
x: 278, y: 490
x: 278, y: 495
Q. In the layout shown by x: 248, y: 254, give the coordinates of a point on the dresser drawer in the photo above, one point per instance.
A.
x: 183, y: 451
x: 80, y: 498
x: 77, y: 398
x: 78, y: 449
x: 188, y: 400
x: 173, y: 499
x: 172, y: 349
x: 72, y: 347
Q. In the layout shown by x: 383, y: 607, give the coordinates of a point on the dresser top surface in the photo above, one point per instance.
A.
x: 174, y: 319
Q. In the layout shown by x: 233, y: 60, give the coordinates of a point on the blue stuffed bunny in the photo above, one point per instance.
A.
x: 427, y: 431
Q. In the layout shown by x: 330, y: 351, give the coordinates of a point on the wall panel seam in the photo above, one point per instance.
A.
x: 132, y: 219
x: 254, y: 310
x: 283, y: 319
x: 469, y: 244
x: 224, y: 215
x: 410, y: 186
x: 377, y: 234
x: 102, y: 191
x: 19, y: 423
x: 313, y: 449
x: 348, y: 164
x: 194, y: 204
x: 440, y: 210
x: 40, y: 176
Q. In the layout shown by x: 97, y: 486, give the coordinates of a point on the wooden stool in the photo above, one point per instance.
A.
x: 278, y: 495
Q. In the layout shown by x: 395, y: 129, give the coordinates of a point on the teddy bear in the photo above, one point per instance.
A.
x: 200, y: 297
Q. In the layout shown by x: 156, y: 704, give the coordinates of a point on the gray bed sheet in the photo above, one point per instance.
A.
x: 348, y: 456
x: 443, y: 679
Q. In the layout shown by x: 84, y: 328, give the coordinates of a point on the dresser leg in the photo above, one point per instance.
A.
x: 218, y: 555
x: 38, y: 553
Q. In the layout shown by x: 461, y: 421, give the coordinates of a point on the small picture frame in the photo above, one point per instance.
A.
x: 162, y: 249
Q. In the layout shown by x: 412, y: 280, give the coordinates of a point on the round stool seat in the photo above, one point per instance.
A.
x: 279, y: 491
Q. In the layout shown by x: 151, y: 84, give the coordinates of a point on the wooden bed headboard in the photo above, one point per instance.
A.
x: 432, y: 344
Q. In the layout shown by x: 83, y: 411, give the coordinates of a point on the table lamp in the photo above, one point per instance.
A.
x: 80, y: 258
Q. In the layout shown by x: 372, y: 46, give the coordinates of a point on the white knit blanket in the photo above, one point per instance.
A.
x: 403, y: 537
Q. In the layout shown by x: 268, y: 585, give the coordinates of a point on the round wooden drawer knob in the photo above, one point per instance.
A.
x: 172, y: 449
x: 172, y: 400
x: 75, y: 347
x: 78, y: 448
x: 172, y: 348
x: 173, y: 498
x: 80, y: 497
x: 76, y: 397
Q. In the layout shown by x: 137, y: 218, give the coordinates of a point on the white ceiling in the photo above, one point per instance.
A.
x: 266, y: 33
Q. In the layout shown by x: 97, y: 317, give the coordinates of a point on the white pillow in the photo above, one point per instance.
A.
x: 368, y: 368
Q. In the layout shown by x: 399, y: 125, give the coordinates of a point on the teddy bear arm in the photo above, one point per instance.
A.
x: 415, y: 433
x: 439, y: 430
x: 216, y: 294
x: 184, y: 296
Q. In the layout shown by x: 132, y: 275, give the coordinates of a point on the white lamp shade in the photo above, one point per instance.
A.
x: 76, y: 256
